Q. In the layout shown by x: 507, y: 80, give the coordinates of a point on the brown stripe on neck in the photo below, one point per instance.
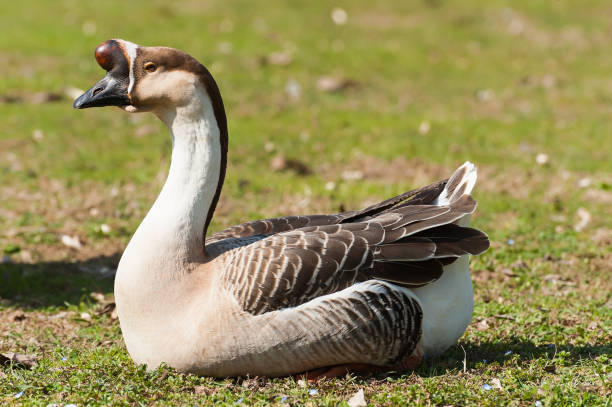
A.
x: 219, y: 111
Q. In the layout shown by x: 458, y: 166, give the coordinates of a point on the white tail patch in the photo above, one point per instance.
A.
x: 460, y: 183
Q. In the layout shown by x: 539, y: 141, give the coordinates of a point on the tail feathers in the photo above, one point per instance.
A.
x: 442, y: 193
x: 447, y: 240
x: 448, y: 214
x: 460, y: 183
x: 419, y: 259
x: 425, y: 232
x: 453, y: 241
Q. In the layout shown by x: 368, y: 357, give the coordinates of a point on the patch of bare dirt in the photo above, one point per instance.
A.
x: 520, y: 25
x: 399, y: 170
x: 384, y: 20
x: 603, y: 238
x: 551, y: 186
x: 599, y: 196
x: 35, y: 98
x: 53, y: 221
x: 516, y: 183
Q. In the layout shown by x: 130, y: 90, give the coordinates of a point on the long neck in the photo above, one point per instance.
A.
x: 173, y: 231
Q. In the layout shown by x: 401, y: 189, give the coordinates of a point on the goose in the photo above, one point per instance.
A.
x: 370, y: 290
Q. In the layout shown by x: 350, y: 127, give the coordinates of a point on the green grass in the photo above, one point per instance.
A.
x: 498, y: 86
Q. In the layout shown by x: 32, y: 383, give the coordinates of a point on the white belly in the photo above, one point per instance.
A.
x: 447, y: 308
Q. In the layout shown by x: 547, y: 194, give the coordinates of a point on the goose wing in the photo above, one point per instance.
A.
x: 406, y: 243
x: 424, y: 195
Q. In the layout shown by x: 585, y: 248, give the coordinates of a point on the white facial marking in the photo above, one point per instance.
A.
x: 131, y: 48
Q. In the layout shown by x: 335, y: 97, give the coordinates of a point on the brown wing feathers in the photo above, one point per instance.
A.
x: 274, y: 225
x: 404, y: 244
x: 421, y: 196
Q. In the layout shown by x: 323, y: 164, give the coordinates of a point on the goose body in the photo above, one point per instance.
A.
x: 381, y: 287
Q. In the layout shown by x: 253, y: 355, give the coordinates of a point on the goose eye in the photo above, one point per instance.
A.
x: 150, y: 67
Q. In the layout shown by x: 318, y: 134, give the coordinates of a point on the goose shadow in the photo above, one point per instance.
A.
x: 480, y: 354
x: 33, y: 286
x: 477, y: 356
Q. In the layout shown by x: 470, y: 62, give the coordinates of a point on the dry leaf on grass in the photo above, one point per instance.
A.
x: 602, y: 237
x: 584, y: 218
x: 542, y: 158
x: 335, y: 83
x: 424, y: 128
x: 98, y: 297
x: 19, y: 316
x: 36, y: 98
x: 482, y: 325
x: 552, y: 277
x: 71, y: 241
x: 507, y: 272
x: 339, y: 16
x: 251, y: 384
x: 280, y: 163
x: 584, y: 182
x: 109, y: 309
x: 207, y: 391
x: 357, y: 399
x: 352, y: 175
x: 38, y: 135
x: 276, y: 58
x: 18, y: 360
x: 293, y: 89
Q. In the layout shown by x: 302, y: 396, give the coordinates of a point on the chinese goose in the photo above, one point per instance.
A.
x: 369, y: 290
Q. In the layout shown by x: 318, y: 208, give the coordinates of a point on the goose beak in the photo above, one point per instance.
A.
x: 110, y: 91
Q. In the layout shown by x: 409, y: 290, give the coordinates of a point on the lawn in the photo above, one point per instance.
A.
x: 328, y: 110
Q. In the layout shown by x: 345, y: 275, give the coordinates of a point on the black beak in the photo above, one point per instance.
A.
x: 110, y: 91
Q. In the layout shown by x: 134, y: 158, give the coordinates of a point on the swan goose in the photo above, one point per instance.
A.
x: 368, y: 290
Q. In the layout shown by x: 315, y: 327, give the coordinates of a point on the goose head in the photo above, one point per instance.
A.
x: 142, y: 79
x: 178, y: 90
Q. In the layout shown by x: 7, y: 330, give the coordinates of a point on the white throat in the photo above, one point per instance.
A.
x: 171, y: 236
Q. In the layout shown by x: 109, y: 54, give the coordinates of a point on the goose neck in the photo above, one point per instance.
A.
x: 173, y: 230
